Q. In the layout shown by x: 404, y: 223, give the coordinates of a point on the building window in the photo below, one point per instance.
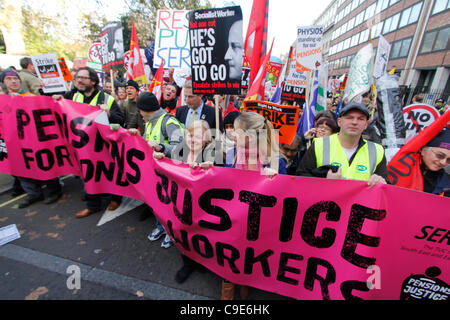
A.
x: 392, y: 2
x: 410, y: 15
x: 359, y: 18
x: 370, y: 11
x: 364, y: 36
x: 441, y: 5
x: 376, y: 30
x: 400, y: 48
x: 391, y: 23
x: 435, y: 40
x: 381, y: 5
x: 355, y: 40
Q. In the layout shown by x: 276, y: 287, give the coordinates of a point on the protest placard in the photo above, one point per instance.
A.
x: 382, y: 57
x: 48, y: 70
x: 360, y: 74
x: 216, y: 50
x: 94, y: 53
x: 283, y: 118
x: 112, y: 51
x: 67, y: 75
x: 282, y: 235
x: 79, y: 62
x: 417, y: 117
x: 172, y: 40
x: 309, y: 48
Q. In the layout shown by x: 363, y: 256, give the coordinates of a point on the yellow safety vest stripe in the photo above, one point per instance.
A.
x: 329, y: 151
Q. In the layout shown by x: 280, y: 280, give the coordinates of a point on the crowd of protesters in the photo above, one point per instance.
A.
x: 188, y: 133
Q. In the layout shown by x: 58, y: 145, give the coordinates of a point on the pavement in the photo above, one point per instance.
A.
x: 105, y: 256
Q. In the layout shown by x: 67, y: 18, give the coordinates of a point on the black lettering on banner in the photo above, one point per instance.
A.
x: 184, y: 236
x: 312, y: 275
x: 283, y: 268
x: 256, y: 202
x: 103, y: 170
x: 23, y: 119
x: 41, y: 125
x: 290, y: 206
x: 348, y: 286
x: 221, y: 256
x: 163, y: 185
x: 131, y: 154
x: 48, y: 156
x: 100, y: 142
x: 425, y: 232
x: 354, y: 236
x: 186, y: 216
x: 119, y: 158
x: 27, y: 158
x: 89, y: 169
x: 394, y: 172
x: 60, y: 155
x: 311, y: 219
x: 196, y: 240
x: 205, y: 203
x: 263, y: 259
x: 62, y: 124
x: 84, y: 137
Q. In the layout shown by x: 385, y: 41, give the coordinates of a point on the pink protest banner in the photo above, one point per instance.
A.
x: 284, y: 235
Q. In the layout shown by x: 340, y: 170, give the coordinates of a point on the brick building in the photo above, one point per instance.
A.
x: 418, y: 30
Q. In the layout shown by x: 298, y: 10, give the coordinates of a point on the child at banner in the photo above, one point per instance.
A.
x: 256, y: 149
x: 197, y: 150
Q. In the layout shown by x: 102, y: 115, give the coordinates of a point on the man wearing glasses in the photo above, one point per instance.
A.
x: 435, y: 158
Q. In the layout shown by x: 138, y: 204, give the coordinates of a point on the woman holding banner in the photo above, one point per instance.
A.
x: 252, y: 152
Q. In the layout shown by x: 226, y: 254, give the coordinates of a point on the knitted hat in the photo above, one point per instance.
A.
x: 442, y: 140
x: 147, y: 101
x: 229, y: 118
x: 8, y: 72
x: 132, y: 83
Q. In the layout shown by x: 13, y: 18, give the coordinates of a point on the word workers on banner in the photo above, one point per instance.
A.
x: 217, y: 52
x: 283, y: 235
x: 283, y: 118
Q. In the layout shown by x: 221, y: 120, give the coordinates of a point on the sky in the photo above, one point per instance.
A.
x: 284, y: 17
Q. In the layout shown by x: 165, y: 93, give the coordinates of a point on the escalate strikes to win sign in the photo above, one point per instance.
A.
x: 216, y: 50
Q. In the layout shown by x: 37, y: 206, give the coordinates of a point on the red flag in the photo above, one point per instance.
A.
x: 257, y: 89
x: 135, y: 66
x: 404, y: 168
x: 157, y: 83
x: 256, y: 39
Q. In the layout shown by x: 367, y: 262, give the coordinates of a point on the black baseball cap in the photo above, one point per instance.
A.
x: 355, y: 106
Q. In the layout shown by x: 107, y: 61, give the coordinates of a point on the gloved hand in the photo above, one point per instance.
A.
x: 114, y: 126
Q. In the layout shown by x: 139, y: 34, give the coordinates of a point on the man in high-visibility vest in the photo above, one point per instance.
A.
x: 346, y: 155
x: 86, y: 83
x: 32, y: 187
x: 163, y: 133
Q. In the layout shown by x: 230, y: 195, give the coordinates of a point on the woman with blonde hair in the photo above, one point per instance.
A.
x: 256, y: 149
